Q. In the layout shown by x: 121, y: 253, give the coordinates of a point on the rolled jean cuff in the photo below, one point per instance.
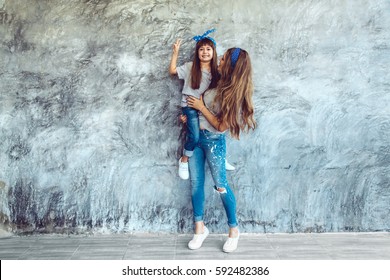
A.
x: 233, y: 225
x: 198, y: 219
x: 188, y: 153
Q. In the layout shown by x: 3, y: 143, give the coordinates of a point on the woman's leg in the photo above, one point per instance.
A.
x: 216, y: 154
x: 197, y: 178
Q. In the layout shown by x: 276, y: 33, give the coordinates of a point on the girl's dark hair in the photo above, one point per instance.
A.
x: 196, y: 71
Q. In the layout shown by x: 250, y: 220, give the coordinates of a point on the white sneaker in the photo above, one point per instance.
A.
x: 183, y: 170
x: 198, y: 239
x: 228, y: 166
x: 231, y: 244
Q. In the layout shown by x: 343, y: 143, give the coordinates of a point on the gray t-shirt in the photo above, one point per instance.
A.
x: 213, y: 107
x: 184, y: 73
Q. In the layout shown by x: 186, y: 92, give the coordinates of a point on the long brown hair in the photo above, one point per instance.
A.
x: 196, y: 71
x: 234, y: 93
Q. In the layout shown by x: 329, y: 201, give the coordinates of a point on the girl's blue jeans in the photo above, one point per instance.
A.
x: 192, y: 130
x: 211, y: 147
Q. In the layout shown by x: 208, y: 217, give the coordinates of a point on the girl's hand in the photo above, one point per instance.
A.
x: 183, y: 118
x: 176, y: 46
x: 195, y: 102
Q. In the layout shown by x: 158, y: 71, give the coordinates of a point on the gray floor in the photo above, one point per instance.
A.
x: 323, y: 246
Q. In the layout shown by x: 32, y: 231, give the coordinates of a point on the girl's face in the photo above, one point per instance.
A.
x: 205, y: 53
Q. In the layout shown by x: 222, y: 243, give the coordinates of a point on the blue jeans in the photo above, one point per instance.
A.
x: 192, y: 130
x: 211, y: 147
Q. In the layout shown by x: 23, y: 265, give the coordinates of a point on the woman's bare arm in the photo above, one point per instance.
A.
x: 213, y: 120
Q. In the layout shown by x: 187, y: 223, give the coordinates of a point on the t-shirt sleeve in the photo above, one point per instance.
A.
x: 182, y: 71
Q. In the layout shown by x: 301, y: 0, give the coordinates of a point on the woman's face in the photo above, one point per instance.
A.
x: 221, y: 62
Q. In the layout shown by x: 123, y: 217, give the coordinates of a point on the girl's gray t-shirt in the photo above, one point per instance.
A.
x: 184, y: 73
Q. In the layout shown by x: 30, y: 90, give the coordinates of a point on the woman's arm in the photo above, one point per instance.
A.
x: 175, y: 54
x: 213, y: 120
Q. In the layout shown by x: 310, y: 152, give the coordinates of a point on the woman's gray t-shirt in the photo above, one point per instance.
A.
x: 213, y: 107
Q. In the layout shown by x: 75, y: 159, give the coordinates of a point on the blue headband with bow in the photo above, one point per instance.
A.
x: 234, y: 56
x: 204, y: 35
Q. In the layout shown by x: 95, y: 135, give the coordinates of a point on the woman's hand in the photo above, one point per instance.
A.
x: 195, y: 102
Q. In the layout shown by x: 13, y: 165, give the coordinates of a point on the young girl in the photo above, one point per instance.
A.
x: 198, y: 76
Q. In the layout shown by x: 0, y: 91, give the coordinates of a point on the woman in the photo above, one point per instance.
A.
x: 226, y: 107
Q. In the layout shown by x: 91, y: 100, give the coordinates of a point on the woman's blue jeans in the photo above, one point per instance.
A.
x: 211, y: 147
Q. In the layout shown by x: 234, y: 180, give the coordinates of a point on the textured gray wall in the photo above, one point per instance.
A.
x: 89, y: 138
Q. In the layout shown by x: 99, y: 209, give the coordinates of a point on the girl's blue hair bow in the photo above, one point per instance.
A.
x: 200, y: 37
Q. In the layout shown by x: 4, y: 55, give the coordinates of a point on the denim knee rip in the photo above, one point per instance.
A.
x: 220, y: 190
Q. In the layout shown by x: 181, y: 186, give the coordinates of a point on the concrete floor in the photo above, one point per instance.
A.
x: 323, y: 246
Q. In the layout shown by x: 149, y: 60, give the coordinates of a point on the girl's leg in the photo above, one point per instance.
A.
x: 192, y: 130
x: 191, y: 140
x: 184, y: 158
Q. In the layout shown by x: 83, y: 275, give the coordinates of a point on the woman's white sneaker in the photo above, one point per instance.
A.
x: 198, y: 239
x: 231, y: 244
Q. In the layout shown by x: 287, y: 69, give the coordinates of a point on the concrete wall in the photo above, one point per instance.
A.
x: 89, y: 138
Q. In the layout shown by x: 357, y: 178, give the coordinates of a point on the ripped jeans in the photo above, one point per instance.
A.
x: 192, y: 130
x: 211, y: 147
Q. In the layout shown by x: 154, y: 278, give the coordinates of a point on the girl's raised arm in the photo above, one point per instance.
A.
x: 175, y: 54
